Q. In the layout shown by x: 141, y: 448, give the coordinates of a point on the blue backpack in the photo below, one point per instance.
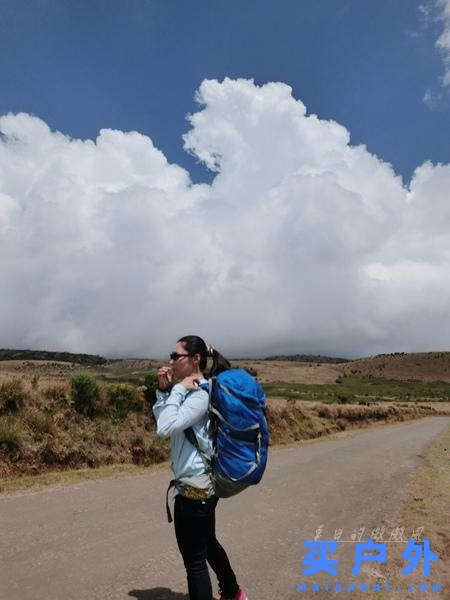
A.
x: 237, y: 405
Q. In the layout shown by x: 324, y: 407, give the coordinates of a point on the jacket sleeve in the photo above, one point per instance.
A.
x: 179, y: 409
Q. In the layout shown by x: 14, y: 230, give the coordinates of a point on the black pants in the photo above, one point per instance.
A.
x: 195, y: 525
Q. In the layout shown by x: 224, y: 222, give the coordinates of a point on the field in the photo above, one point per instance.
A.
x: 44, y: 428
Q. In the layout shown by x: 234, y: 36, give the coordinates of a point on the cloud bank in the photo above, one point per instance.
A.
x: 302, y: 242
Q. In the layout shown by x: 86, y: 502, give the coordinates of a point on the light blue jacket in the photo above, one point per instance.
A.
x: 176, y: 411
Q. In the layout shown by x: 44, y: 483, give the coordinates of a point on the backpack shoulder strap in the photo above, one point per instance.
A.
x: 189, y: 432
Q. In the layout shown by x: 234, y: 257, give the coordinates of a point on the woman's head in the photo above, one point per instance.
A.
x: 191, y: 356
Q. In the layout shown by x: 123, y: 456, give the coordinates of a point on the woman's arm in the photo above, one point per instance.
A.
x: 173, y: 415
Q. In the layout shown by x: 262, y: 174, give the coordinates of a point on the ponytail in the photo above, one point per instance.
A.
x: 220, y: 363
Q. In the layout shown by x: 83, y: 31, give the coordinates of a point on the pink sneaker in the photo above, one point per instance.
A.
x: 241, y: 595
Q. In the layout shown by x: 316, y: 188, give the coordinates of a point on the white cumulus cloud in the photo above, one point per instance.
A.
x: 302, y: 242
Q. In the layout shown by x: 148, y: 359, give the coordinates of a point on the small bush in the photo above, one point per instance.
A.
x: 251, y: 371
x: 151, y: 384
x: 12, y: 396
x: 53, y: 453
x: 40, y: 423
x: 105, y: 433
x: 342, y: 399
x: 68, y: 452
x: 10, y: 437
x: 123, y: 398
x: 35, y: 381
x: 85, y: 395
x: 324, y: 412
x: 58, y: 393
x: 146, y: 451
x: 341, y: 424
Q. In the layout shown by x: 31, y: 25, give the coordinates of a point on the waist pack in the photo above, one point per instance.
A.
x: 237, y: 405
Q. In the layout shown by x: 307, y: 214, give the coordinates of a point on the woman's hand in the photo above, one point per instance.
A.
x: 191, y: 382
x: 164, y: 378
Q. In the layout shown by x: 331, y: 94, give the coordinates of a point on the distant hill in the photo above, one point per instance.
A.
x: 82, y: 359
x: 308, y: 358
x: 419, y: 366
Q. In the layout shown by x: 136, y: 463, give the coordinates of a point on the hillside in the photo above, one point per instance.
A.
x: 44, y: 355
x: 308, y: 358
x: 418, y: 366
x: 421, y: 366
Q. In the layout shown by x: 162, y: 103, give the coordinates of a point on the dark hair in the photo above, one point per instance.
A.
x: 196, y: 345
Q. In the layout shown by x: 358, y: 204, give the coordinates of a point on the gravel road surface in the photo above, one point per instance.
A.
x: 109, y: 539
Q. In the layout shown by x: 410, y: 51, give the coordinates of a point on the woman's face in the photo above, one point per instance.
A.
x: 184, y: 365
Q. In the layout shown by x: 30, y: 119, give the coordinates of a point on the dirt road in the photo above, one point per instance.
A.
x: 110, y: 540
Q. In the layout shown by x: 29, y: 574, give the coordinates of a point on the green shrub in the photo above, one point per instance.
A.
x: 151, y: 384
x: 10, y: 436
x: 12, y: 396
x: 342, y: 399
x: 85, y: 394
x: 123, y: 398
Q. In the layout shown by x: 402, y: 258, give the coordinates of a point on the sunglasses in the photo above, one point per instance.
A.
x: 176, y: 356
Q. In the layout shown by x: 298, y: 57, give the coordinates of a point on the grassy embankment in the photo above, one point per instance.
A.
x: 426, y: 503
x: 45, y: 428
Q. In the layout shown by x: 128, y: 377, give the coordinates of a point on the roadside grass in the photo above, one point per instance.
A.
x: 424, y: 510
x: 288, y: 427
x: 304, y: 420
x: 12, y: 395
x: 45, y: 453
x: 11, y: 436
x: 80, y: 423
x: 72, y: 476
x: 428, y: 502
x: 75, y: 424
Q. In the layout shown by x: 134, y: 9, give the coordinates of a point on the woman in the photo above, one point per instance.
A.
x: 177, y: 408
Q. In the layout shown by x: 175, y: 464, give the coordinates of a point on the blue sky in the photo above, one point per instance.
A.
x: 301, y: 240
x: 86, y: 65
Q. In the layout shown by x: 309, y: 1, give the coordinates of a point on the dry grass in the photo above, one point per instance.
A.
x: 428, y: 502
x: 70, y: 476
x: 420, y: 366
x: 424, y: 366
x: 46, y: 433
x: 305, y: 420
x: 292, y: 372
x: 425, y: 507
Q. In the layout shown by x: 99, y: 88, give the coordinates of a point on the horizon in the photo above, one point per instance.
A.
x: 269, y: 357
